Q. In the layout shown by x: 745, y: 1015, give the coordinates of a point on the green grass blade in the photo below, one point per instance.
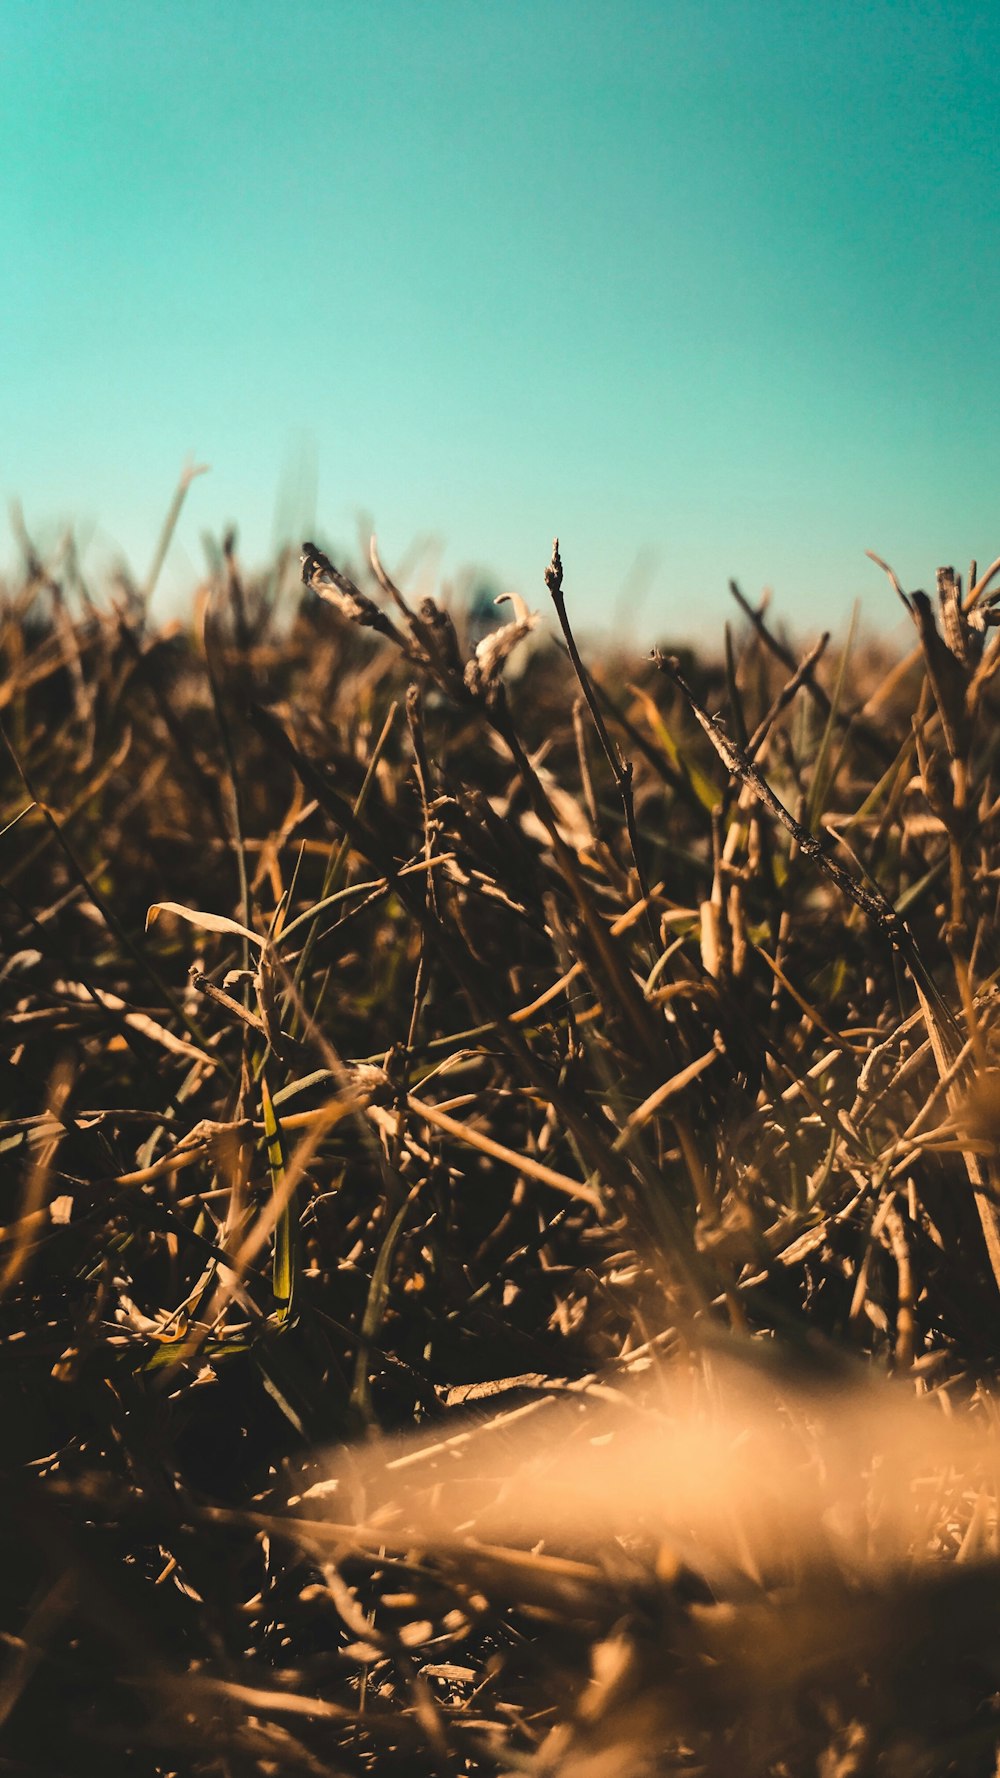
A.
x: 824, y: 770
x: 284, y: 1262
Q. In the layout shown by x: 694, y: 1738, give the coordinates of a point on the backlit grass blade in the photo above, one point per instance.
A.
x: 283, y: 1265
x: 825, y: 769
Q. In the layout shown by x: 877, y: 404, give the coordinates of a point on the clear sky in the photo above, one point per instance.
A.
x: 709, y: 289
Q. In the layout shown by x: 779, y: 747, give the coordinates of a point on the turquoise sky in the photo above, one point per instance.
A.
x: 711, y: 290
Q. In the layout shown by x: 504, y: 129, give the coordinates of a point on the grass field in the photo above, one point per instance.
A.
x: 500, y: 1261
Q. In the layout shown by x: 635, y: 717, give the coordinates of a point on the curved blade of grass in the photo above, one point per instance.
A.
x: 283, y: 1267
x: 378, y: 1296
x: 207, y: 922
x: 328, y: 901
x: 337, y: 863
x: 235, y: 797
x: 702, y: 786
x: 188, y: 475
x: 824, y: 770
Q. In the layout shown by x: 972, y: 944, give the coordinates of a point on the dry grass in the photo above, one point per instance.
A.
x: 580, y: 1074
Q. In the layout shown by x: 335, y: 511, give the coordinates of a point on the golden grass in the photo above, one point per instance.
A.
x: 498, y: 1189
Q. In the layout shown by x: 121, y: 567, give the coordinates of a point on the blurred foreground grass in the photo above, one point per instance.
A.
x: 423, y: 1035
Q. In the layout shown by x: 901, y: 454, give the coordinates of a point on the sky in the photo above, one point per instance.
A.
x: 708, y: 290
